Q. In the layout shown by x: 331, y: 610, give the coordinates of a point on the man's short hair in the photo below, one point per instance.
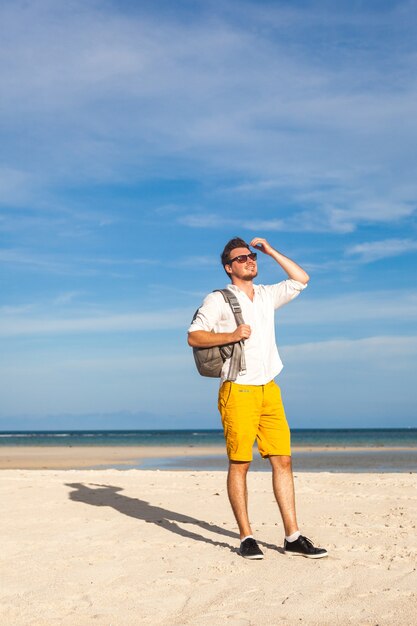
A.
x: 236, y: 242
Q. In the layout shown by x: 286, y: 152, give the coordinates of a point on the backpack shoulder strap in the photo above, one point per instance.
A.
x: 237, y: 356
x: 233, y: 302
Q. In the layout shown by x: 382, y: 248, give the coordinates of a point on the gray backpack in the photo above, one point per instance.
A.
x: 209, y: 361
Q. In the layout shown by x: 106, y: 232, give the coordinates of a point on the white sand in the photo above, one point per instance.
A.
x: 136, y: 547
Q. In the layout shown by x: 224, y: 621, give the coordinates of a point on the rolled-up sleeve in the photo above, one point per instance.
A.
x: 208, y: 315
x: 285, y: 291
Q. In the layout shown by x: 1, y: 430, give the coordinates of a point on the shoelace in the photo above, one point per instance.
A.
x: 307, y: 541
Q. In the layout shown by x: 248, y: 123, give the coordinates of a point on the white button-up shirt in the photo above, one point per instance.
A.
x: 263, y: 362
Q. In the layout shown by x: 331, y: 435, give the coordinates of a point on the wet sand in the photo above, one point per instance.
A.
x: 209, y: 457
x: 67, y: 457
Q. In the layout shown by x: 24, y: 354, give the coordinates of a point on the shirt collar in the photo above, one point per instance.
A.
x: 238, y: 290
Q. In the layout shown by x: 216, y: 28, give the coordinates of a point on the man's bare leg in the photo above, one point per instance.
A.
x: 283, y: 485
x: 238, y: 495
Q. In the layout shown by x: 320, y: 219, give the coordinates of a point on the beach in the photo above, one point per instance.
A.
x: 204, y: 457
x: 111, y: 547
x: 66, y: 457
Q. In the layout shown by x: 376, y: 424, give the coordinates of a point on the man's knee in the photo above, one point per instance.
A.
x: 281, y: 462
x: 239, y: 467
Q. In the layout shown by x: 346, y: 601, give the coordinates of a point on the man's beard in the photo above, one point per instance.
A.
x: 250, y: 277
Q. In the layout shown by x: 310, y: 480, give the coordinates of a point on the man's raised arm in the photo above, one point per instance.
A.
x: 293, y: 270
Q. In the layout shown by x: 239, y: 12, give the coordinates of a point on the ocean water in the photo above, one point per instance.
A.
x: 383, y: 450
x: 363, y: 437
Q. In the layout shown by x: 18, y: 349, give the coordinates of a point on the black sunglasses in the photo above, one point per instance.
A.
x: 242, y: 258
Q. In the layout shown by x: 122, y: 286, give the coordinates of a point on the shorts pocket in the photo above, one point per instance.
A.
x: 224, y: 394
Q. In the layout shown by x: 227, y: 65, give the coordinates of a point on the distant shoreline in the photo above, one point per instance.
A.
x: 303, y: 439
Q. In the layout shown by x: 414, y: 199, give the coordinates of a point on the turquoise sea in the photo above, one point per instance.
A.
x: 377, y: 450
x: 319, y: 437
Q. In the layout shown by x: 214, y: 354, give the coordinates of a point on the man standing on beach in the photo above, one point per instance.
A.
x: 251, y: 407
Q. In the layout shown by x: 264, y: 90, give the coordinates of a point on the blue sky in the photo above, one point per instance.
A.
x: 137, y: 138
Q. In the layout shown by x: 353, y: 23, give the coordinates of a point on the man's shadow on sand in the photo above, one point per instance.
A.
x: 108, y: 495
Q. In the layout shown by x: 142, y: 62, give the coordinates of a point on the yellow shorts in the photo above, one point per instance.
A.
x: 252, y: 412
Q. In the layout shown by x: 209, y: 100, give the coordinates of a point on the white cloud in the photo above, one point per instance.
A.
x: 381, y: 351
x: 382, y: 305
x: 300, y: 222
x: 66, y: 297
x: 70, y: 265
x: 376, y: 250
x: 196, y: 262
x: 11, y: 311
x: 119, y: 96
x: 16, y: 186
x: 204, y: 220
x: 32, y: 261
x: 265, y: 225
x: 113, y: 323
x: 125, y: 261
x: 399, y: 306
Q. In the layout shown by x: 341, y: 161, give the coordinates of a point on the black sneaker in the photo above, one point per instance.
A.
x: 304, y: 547
x: 249, y: 549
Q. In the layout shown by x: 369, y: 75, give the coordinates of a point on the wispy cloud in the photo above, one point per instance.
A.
x: 32, y: 261
x: 69, y: 264
x: 66, y: 297
x: 196, y: 262
x: 394, y: 343
x: 332, y: 221
x: 384, y: 352
x: 105, y: 323
x: 211, y: 220
x: 399, y: 306
x: 328, y: 109
x: 377, y: 250
x: 117, y: 261
x: 17, y: 186
x: 8, y: 311
x: 204, y: 220
x: 396, y: 305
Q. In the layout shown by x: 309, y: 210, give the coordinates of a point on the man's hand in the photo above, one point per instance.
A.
x: 262, y: 245
x: 242, y: 332
x: 293, y: 270
x: 206, y: 339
